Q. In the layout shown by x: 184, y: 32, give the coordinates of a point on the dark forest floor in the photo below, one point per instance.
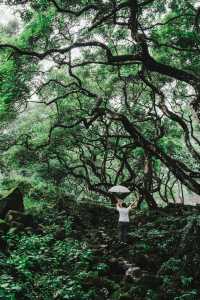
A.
x: 76, y: 254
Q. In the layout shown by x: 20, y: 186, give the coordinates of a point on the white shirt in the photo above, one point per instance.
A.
x: 123, y: 213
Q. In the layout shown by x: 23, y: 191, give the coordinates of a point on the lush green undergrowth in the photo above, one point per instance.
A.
x: 78, y: 256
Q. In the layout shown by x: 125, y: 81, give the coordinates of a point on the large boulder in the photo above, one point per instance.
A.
x: 13, y: 200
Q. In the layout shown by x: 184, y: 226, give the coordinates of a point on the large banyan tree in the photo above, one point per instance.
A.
x: 121, y: 81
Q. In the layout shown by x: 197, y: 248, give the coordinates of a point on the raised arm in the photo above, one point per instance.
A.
x: 133, y: 204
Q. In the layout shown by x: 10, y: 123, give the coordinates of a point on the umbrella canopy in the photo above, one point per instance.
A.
x: 119, y: 189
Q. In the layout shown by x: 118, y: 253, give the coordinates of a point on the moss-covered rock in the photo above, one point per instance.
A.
x: 12, y: 200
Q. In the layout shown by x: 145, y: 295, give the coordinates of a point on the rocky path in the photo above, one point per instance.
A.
x: 125, y: 264
x: 159, y: 256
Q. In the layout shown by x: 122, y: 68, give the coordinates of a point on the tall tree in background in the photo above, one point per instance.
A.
x: 122, y: 78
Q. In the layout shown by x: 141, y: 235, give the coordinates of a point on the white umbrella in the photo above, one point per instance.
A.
x: 119, y: 189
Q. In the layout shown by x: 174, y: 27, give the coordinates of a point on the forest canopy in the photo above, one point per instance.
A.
x: 98, y: 93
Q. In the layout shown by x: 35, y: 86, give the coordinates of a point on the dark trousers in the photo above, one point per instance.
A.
x: 123, y: 231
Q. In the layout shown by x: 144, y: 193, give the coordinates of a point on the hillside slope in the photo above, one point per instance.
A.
x: 77, y: 255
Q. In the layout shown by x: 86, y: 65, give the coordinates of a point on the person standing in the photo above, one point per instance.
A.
x: 124, y: 218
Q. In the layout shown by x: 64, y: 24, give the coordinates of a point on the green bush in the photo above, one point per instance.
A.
x: 40, y: 265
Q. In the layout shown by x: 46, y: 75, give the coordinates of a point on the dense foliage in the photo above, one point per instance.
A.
x: 109, y: 93
x: 78, y: 256
x: 95, y: 94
